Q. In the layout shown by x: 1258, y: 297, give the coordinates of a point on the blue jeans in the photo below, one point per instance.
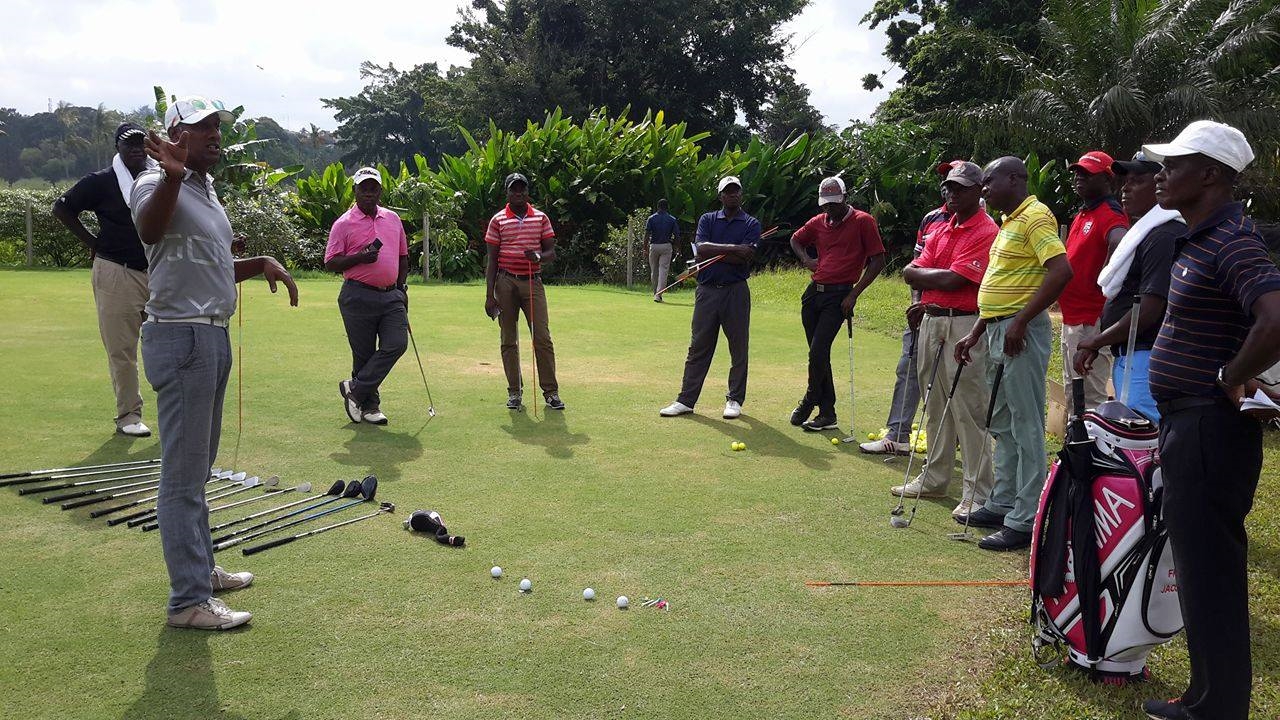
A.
x: 906, y: 394
x: 1139, y: 392
x: 187, y: 365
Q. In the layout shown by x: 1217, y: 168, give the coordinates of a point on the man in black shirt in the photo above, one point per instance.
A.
x: 119, y: 267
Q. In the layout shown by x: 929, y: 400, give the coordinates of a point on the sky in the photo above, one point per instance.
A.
x: 279, y: 57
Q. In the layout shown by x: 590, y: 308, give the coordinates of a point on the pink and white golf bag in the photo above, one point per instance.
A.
x: 1113, y: 603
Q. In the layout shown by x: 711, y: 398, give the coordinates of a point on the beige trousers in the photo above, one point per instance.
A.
x: 514, y: 296
x: 121, y: 296
x: 965, y: 420
x: 1095, y: 383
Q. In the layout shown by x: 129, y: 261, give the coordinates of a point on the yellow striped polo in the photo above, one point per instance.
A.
x: 1028, y: 239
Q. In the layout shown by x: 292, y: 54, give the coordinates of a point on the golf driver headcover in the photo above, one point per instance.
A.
x: 428, y: 521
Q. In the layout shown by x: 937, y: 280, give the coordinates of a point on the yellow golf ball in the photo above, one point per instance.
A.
x: 835, y: 441
x: 742, y: 446
x: 871, y: 436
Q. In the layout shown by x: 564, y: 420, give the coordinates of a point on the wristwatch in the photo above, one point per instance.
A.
x: 1222, y: 383
x: 165, y: 176
x: 402, y: 287
x: 537, y: 256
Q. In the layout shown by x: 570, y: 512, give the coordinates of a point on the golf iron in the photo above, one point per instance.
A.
x: 334, y: 490
x: 366, y: 489
x: 272, y: 481
x: 149, y: 522
x: 17, y: 478
x: 365, y: 492
x: 895, y: 516
x: 30, y: 490
x: 385, y: 507
x: 991, y: 408
x: 216, y: 476
x: 902, y: 397
x: 853, y: 425
x: 238, y: 477
x: 431, y: 406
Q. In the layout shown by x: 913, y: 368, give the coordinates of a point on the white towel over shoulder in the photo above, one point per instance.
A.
x: 1114, y: 272
x: 125, y: 178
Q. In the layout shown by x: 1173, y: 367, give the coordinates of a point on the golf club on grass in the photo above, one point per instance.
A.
x: 215, y: 476
x: 9, y: 478
x: 895, y: 516
x: 152, y: 480
x: 431, y: 406
x: 946, y: 412
x: 272, y: 481
x: 366, y: 493
x: 853, y: 426
x: 150, y: 514
x: 156, y: 487
x: 149, y: 522
x: 353, y: 489
x: 30, y: 490
x: 335, y: 490
x: 385, y: 507
x: 991, y: 408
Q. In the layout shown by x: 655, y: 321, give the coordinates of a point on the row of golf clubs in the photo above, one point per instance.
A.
x: 94, y: 491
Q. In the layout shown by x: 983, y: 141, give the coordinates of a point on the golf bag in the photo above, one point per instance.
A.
x: 1111, y: 603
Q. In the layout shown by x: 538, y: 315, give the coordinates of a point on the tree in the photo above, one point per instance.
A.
x: 789, y: 113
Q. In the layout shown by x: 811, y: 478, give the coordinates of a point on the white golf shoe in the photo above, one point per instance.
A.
x: 223, y: 580
x: 885, y: 446
x: 375, y: 417
x: 212, y: 614
x: 674, y: 409
x: 732, y: 409
x: 137, y: 429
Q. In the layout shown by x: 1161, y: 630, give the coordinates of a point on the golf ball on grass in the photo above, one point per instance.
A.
x: 526, y: 585
x: 495, y: 571
x: 623, y: 602
x: 588, y: 594
x: 835, y: 441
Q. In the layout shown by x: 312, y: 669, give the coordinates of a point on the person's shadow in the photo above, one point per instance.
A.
x: 552, y: 433
x: 123, y: 448
x: 378, y: 451
x: 764, y: 439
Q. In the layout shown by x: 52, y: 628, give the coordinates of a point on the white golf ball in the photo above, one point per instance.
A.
x: 495, y: 571
x: 526, y: 585
x: 588, y: 594
x: 623, y: 602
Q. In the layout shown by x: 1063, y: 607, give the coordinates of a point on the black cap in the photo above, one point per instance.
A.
x: 1139, y: 165
x: 129, y: 132
x: 515, y: 178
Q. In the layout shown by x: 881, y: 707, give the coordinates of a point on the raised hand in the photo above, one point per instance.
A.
x: 171, y: 156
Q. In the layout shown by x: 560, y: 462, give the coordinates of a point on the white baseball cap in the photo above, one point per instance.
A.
x: 1211, y: 139
x: 830, y: 190
x: 728, y: 180
x: 192, y: 109
x: 366, y: 173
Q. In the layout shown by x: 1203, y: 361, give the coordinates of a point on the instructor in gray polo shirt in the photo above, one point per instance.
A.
x: 185, y: 348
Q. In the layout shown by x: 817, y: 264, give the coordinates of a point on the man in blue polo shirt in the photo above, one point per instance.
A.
x: 660, y: 233
x: 1222, y: 328
x: 728, y: 239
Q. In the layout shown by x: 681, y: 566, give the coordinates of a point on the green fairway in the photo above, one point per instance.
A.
x: 370, y: 621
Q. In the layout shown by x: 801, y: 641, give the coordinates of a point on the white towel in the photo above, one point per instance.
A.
x: 125, y: 178
x: 1114, y: 272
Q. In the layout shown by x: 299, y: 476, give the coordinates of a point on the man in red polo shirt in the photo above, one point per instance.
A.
x: 850, y: 256
x: 1095, y: 231
x: 947, y: 275
x: 520, y: 240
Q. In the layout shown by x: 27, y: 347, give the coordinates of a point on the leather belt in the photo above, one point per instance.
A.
x: 374, y: 288
x: 1001, y: 318
x: 1170, y: 407
x: 521, y: 277
x: 819, y: 287
x: 202, y: 320
x: 939, y: 311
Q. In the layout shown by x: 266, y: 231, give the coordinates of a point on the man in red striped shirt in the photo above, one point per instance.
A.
x: 520, y: 240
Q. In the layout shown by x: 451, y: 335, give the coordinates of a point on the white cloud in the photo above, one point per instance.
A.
x: 279, y: 58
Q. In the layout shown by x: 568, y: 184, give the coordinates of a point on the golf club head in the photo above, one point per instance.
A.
x: 960, y: 536
x: 239, y: 477
x: 252, y: 482
x: 352, y: 489
x: 215, y: 472
x: 337, y: 488
x: 369, y: 487
x: 897, y: 512
x: 304, y: 487
x: 387, y: 507
x: 899, y: 522
x: 272, y: 481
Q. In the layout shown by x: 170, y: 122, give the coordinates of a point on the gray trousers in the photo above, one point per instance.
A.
x: 906, y: 394
x: 716, y: 307
x: 659, y: 265
x: 378, y: 333
x: 187, y: 365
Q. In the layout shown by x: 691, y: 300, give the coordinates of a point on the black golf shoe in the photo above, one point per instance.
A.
x: 515, y: 401
x: 823, y: 421
x: 801, y: 414
x: 553, y: 401
x: 1005, y: 538
x: 1166, y: 709
x: 983, y: 518
x: 349, y: 403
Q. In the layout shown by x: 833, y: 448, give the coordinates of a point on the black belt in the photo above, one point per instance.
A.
x: 939, y: 311
x: 520, y: 277
x: 819, y: 287
x: 375, y: 288
x: 1170, y: 407
x: 998, y: 319
x: 721, y: 285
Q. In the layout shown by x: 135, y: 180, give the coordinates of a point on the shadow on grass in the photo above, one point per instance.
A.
x: 180, y: 682
x: 552, y: 432
x: 378, y: 451
x: 764, y: 439
x: 123, y: 448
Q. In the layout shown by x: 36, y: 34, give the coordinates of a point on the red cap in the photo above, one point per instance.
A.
x: 1093, y: 162
x: 946, y: 167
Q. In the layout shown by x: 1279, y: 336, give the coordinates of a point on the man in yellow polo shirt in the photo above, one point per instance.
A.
x: 1027, y: 270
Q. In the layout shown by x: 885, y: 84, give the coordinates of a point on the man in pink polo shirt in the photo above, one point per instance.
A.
x: 368, y: 246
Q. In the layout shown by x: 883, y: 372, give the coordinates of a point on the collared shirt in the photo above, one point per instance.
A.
x: 514, y: 235
x: 843, y: 246
x: 1220, y: 268
x: 1148, y: 275
x: 99, y: 193
x: 715, y: 228
x: 661, y: 227
x: 354, y: 231
x: 1027, y: 240
x: 192, y: 272
x: 1081, y: 300
x: 964, y: 248
x: 932, y: 222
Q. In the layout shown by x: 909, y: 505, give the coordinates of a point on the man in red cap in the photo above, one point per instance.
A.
x: 1095, y: 231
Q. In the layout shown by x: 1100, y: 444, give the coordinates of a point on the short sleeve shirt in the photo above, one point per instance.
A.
x: 714, y: 227
x: 964, y: 248
x: 1220, y: 267
x: 514, y: 235
x: 99, y: 193
x: 354, y: 231
x: 932, y: 222
x: 192, y: 272
x: 1148, y: 275
x: 1027, y: 240
x: 1081, y: 300
x: 661, y: 226
x: 843, y: 247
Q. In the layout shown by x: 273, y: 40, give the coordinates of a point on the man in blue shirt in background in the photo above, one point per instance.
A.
x: 660, y: 233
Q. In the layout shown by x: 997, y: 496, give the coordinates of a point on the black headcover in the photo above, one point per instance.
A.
x: 428, y: 521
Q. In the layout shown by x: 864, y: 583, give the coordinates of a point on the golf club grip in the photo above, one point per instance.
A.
x: 955, y: 381
x: 848, y: 321
x: 115, y: 508
x: 1077, y: 396
x: 131, y: 516
x: 143, y: 519
x: 8, y: 476
x: 151, y: 525
x: 268, y: 545
x: 995, y: 388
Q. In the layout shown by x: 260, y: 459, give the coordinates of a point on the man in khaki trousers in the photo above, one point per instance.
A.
x: 119, y: 267
x: 947, y: 275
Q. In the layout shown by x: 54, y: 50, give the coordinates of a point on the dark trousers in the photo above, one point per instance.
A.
x: 1210, y: 457
x: 726, y: 307
x: 822, y: 317
x: 530, y: 297
x: 378, y: 331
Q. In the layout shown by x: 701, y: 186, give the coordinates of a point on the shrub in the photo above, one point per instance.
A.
x: 264, y: 222
x: 53, y: 244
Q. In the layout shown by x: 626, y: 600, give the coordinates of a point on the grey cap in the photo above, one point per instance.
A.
x: 514, y: 178
x: 964, y: 173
